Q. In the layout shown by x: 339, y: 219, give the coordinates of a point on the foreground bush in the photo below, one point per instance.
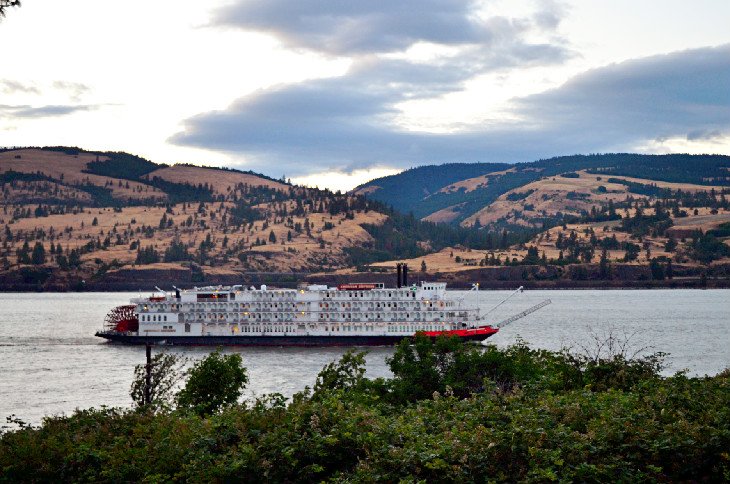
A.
x: 451, y: 413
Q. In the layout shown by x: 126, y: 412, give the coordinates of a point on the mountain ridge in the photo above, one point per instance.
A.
x: 93, y: 215
x: 73, y: 218
x: 406, y: 192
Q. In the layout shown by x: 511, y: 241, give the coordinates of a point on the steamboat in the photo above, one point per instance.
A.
x: 316, y: 315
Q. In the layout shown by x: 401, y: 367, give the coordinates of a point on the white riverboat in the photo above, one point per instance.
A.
x: 313, y: 315
x: 349, y: 314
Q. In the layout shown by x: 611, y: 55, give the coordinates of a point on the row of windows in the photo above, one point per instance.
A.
x: 267, y: 329
x: 401, y: 305
x: 248, y: 316
x: 282, y: 305
x: 242, y: 306
x: 344, y: 328
x: 370, y: 294
x: 415, y: 328
x: 380, y: 315
x: 290, y: 316
x: 153, y: 317
x: 260, y: 296
x: 333, y: 328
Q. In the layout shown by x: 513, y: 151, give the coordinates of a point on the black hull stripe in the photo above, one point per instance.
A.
x: 264, y: 340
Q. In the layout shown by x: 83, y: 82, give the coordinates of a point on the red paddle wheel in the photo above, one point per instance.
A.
x: 122, y: 319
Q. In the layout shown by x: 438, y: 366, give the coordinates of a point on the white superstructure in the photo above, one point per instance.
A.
x: 316, y: 310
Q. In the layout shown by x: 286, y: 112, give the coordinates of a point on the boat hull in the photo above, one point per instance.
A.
x: 132, y: 339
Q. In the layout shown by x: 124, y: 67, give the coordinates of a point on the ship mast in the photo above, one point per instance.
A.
x: 518, y: 290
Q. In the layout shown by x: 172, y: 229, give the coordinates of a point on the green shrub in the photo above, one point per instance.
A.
x: 451, y: 413
x: 214, y: 382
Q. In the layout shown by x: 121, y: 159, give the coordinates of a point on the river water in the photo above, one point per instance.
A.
x: 52, y: 363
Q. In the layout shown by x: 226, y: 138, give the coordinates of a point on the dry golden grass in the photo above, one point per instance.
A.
x: 69, y: 169
x: 365, y: 190
x: 221, y: 181
x: 301, y: 253
x: 444, y: 215
x: 550, y: 197
x: 687, y: 187
x: 82, y: 230
x: 471, y: 184
x: 704, y: 220
x: 545, y: 241
x: 445, y: 260
x: 81, y: 222
x: 346, y: 233
x: 21, y: 191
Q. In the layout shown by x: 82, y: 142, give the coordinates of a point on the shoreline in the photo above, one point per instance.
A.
x: 614, y: 285
x: 574, y: 276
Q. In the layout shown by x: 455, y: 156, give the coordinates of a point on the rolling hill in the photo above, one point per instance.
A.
x: 74, y: 219
x: 106, y: 217
x: 542, y: 191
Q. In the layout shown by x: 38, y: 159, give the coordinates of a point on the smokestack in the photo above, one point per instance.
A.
x: 405, y: 275
x: 398, y: 270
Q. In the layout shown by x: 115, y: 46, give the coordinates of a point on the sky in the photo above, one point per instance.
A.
x: 335, y: 93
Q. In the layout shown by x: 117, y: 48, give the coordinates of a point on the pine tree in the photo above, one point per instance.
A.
x: 39, y: 254
x: 24, y: 254
x: 604, y: 265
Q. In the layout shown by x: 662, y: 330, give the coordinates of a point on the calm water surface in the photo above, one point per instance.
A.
x: 52, y: 363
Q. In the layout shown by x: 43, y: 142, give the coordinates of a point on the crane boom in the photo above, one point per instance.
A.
x: 524, y: 313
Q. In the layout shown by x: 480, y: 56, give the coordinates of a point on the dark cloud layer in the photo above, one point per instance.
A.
x: 659, y: 96
x: 361, y: 27
x: 346, y: 122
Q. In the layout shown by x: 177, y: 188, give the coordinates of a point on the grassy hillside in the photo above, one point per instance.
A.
x: 405, y: 190
x: 608, y: 217
x: 68, y: 214
x: 456, y: 193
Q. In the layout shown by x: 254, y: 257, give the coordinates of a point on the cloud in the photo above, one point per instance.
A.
x: 12, y: 87
x: 26, y: 111
x: 662, y: 95
x: 347, y: 123
x: 74, y: 89
x: 705, y: 135
x: 341, y: 123
x: 352, y: 28
x: 334, y: 121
